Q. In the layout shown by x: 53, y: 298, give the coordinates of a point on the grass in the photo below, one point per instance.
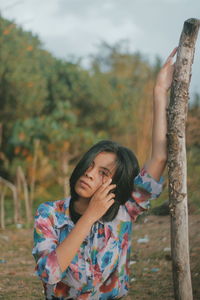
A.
x: 151, y: 275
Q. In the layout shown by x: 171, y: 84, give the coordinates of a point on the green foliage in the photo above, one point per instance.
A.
x: 53, y: 110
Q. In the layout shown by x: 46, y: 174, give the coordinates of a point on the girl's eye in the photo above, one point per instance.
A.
x: 103, y: 173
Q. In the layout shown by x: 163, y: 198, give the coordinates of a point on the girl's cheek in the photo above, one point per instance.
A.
x: 99, y: 182
x: 106, y: 178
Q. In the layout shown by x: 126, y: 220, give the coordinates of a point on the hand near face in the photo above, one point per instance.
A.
x: 101, y: 201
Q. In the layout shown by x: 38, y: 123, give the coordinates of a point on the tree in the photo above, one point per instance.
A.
x: 177, y: 115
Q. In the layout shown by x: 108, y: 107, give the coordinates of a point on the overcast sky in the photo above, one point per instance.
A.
x: 76, y: 27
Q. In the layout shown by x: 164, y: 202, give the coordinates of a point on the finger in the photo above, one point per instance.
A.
x: 103, y: 191
x: 106, y: 178
x: 108, y: 189
x: 105, y: 183
x: 110, y: 196
x: 110, y: 203
x: 171, y: 56
x: 173, y: 52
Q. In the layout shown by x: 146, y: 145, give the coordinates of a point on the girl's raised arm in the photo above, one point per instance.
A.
x: 156, y: 165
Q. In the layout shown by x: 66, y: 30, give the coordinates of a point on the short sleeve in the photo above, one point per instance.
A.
x: 45, y: 243
x: 145, y: 189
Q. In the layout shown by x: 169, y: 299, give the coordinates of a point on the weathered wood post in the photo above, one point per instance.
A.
x: 177, y: 163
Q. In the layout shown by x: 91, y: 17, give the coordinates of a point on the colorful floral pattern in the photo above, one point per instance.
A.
x: 100, y: 269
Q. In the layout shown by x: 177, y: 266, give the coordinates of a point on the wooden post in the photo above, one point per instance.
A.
x: 2, y: 206
x: 34, y: 167
x: 177, y: 164
x: 13, y: 188
x: 28, y: 206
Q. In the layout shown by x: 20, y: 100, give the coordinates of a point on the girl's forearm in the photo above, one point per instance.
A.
x: 68, y: 248
x: 159, y: 129
x: 99, y: 203
x: 157, y: 162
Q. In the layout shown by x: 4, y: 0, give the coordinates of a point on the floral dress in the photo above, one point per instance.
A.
x: 100, y: 268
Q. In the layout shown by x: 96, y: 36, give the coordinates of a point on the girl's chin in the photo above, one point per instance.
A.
x: 83, y: 194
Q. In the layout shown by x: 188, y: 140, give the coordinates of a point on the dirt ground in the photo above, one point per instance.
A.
x: 151, y: 276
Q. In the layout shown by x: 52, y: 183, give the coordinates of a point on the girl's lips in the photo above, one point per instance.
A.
x: 84, y: 183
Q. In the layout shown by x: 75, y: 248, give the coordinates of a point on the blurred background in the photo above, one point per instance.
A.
x: 74, y: 72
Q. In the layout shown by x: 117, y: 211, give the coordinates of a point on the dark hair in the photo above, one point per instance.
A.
x: 127, y: 168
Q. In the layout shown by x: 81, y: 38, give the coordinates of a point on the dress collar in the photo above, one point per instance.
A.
x: 62, y: 215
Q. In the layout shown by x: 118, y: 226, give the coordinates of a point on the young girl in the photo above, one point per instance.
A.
x: 82, y: 243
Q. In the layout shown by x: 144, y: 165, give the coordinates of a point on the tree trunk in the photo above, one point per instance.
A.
x: 177, y: 169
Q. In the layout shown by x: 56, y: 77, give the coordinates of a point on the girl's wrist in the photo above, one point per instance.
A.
x: 160, y: 98
x: 160, y: 90
x: 89, y: 219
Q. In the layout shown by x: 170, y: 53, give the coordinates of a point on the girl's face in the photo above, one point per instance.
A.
x: 101, y: 169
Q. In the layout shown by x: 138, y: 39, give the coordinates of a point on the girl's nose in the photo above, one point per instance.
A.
x: 90, y: 173
x: 87, y: 174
